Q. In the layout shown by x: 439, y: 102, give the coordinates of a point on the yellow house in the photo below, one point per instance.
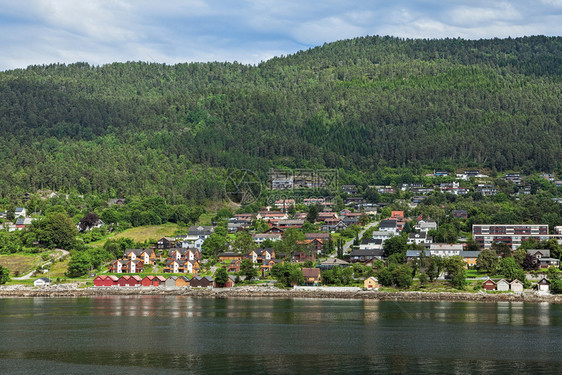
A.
x: 470, y: 258
x: 371, y: 283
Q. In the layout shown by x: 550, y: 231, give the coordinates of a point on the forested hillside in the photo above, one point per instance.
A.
x: 358, y: 105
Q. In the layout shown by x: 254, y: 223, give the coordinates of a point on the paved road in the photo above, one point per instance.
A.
x: 349, y: 243
x: 28, y: 276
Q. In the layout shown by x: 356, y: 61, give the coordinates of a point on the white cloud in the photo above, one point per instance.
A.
x: 103, y: 31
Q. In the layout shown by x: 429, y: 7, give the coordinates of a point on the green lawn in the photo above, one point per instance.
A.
x: 58, y: 269
x: 205, y: 219
x: 475, y: 273
x: 139, y: 234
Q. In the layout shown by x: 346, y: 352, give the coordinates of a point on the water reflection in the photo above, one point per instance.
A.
x: 281, y: 336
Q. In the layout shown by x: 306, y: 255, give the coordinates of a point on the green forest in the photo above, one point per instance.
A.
x: 360, y: 106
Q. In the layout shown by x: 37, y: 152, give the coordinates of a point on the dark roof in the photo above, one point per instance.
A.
x: 470, y: 254
x: 544, y: 253
x: 387, y: 224
x: 359, y: 252
x: 201, y: 230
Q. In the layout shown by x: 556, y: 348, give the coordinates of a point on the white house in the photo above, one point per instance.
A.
x: 42, y: 282
x: 516, y: 286
x: 502, y: 286
x: 425, y: 226
x: 445, y: 249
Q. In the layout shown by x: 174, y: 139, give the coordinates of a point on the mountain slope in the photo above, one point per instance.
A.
x: 359, y: 104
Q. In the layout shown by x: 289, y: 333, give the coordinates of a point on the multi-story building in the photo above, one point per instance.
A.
x: 510, y: 234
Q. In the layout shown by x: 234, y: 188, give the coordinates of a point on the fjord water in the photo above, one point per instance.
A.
x: 176, y: 334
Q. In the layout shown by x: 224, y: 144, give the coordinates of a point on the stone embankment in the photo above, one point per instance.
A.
x: 73, y: 290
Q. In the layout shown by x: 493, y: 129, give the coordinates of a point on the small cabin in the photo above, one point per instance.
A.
x: 489, y: 285
x: 170, y: 282
x: 182, y: 281
x: 371, y: 283
x: 42, y: 282
x: 516, y: 286
x: 543, y: 285
x: 502, y: 286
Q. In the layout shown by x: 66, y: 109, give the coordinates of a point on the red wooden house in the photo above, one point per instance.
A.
x: 234, y: 266
x: 147, y: 281
x: 489, y: 285
x: 106, y: 280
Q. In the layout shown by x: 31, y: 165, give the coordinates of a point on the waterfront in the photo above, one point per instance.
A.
x: 178, y: 334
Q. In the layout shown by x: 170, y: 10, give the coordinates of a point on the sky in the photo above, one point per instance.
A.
x: 248, y: 31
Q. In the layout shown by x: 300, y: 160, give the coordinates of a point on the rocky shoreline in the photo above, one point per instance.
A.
x: 73, y: 291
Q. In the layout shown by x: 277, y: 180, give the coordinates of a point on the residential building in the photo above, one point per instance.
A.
x: 259, y: 238
x: 383, y: 235
x: 311, y: 276
x: 510, y: 234
x: 361, y: 256
x: 419, y: 238
x: 371, y: 244
x: 425, y: 226
x: 445, y: 250
x: 470, y: 257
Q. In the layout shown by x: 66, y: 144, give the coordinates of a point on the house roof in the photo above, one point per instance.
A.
x: 311, y: 272
x: 544, y: 253
x: 445, y: 247
x: 322, y: 235
x: 469, y: 254
x: 366, y: 252
x: 334, y: 262
x: 387, y: 224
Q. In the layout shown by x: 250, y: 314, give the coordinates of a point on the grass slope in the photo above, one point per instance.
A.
x: 143, y: 233
x: 22, y: 263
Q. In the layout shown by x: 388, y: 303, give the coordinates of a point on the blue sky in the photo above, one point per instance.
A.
x: 249, y: 31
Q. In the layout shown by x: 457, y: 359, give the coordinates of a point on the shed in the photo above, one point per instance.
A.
x: 171, y: 282
x: 100, y: 280
x: 371, y: 283
x: 124, y: 280
x: 147, y: 281
x: 489, y: 285
x: 201, y: 282
x: 502, y: 285
x: 111, y: 280
x: 543, y: 285
x: 41, y: 282
x: 134, y: 280
x: 182, y: 281
x: 516, y: 286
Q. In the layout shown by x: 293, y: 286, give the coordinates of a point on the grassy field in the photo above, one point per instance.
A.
x: 205, y: 219
x: 58, y: 269
x: 21, y: 263
x: 143, y: 233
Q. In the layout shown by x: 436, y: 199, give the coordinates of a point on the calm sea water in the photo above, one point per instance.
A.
x: 151, y: 334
